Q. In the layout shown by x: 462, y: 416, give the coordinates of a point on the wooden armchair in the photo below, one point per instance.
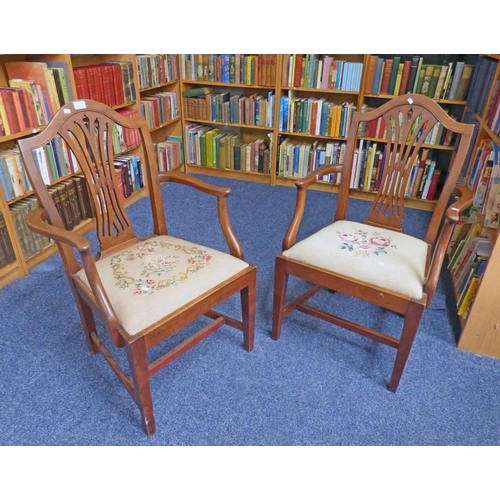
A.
x: 143, y: 290
x: 375, y: 261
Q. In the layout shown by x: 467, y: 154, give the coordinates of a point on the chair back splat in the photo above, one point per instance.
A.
x: 375, y: 261
x: 143, y: 289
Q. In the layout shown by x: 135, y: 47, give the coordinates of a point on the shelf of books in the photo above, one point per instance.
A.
x: 228, y: 108
x: 32, y: 89
x: 474, y: 254
x: 158, y: 78
x: 268, y: 118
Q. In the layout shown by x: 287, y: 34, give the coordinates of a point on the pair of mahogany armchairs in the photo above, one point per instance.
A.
x: 146, y: 289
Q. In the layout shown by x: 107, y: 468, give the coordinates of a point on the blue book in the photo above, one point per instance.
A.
x: 5, y: 180
x: 378, y: 75
x: 324, y: 118
x: 296, y: 153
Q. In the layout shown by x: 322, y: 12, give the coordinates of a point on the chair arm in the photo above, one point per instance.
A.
x: 316, y: 174
x: 188, y: 180
x: 452, y: 216
x: 36, y: 220
x: 465, y: 198
x: 235, y: 248
x: 302, y: 185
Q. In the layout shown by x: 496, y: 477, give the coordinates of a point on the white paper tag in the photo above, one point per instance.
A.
x: 79, y: 105
x: 410, y: 100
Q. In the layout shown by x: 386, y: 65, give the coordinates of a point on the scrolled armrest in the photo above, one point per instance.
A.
x: 302, y: 185
x: 36, y: 220
x: 465, y: 198
x: 221, y: 193
x: 314, y: 176
x: 188, y: 180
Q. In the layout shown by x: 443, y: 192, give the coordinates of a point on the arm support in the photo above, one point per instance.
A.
x: 36, y: 220
x: 221, y: 193
x: 452, y: 217
x: 302, y: 185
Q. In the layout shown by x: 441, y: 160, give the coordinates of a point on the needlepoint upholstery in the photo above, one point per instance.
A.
x: 152, y: 279
x: 380, y: 257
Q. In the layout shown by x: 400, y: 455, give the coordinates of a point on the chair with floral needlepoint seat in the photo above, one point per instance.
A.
x: 143, y: 289
x: 375, y: 261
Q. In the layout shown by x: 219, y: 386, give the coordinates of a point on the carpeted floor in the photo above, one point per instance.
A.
x: 318, y: 385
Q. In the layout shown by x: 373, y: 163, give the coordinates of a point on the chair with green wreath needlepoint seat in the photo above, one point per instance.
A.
x: 143, y: 289
x: 375, y: 261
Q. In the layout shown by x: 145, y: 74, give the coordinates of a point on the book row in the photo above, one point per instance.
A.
x: 246, y: 69
x: 129, y: 175
x: 376, y: 129
x: 315, y: 116
x: 157, y: 69
x: 55, y: 160
x: 209, y: 146
x: 482, y: 81
x: 159, y: 108
x: 484, y: 180
x: 493, y: 119
x: 369, y: 163
x: 7, y: 254
x: 169, y: 153
x: 398, y: 76
x: 321, y: 72
x: 111, y: 83
x: 42, y: 87
x: 469, y: 253
x: 225, y: 107
x: 296, y: 160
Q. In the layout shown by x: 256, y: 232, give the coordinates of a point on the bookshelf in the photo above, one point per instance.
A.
x: 228, y: 114
x: 114, y: 79
x: 232, y: 99
x: 479, y: 318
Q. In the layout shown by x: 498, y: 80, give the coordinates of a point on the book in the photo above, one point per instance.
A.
x: 405, y: 77
x: 464, y: 83
x: 457, y: 75
x: 386, y: 76
x: 393, y: 75
x: 37, y: 72
x: 7, y: 254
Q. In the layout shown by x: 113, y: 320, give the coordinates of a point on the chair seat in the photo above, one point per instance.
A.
x: 159, y: 275
x: 381, y: 257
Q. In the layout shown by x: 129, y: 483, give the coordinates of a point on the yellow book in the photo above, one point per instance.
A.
x: 399, y: 76
x: 468, y: 296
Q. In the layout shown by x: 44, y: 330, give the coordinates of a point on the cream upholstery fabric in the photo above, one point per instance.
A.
x: 158, y: 276
x: 381, y: 257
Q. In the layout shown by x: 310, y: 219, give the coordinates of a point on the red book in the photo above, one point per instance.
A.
x: 81, y: 82
x: 386, y: 77
x: 39, y: 73
x: 119, y: 182
x: 297, y: 77
x: 29, y: 106
x: 118, y: 83
x: 431, y: 195
x: 108, y: 84
x: 10, y: 110
x: 404, y: 77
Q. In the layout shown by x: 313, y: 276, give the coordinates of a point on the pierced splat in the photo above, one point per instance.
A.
x: 90, y: 137
x: 405, y: 130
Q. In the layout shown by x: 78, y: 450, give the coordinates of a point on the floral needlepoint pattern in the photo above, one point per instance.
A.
x: 154, y: 267
x: 364, y: 243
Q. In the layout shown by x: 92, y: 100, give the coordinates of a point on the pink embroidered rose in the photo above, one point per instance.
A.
x: 348, y: 237
x: 380, y: 240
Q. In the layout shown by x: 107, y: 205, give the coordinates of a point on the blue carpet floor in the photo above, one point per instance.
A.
x: 318, y: 385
